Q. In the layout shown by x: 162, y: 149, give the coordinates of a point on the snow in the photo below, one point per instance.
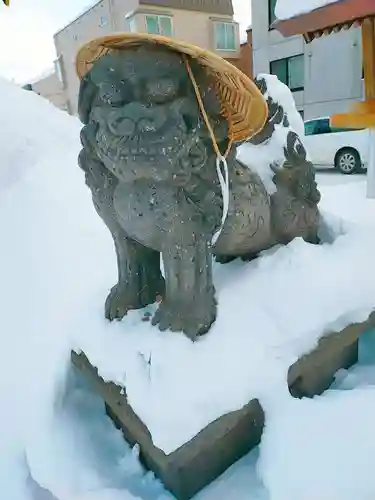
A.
x: 286, y: 9
x: 260, y: 157
x: 237, y: 356
x: 330, y: 442
x: 57, y: 266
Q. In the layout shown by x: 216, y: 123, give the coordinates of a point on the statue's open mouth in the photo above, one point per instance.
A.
x: 148, y: 146
x: 136, y: 152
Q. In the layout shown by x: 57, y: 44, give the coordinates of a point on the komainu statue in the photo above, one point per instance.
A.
x: 151, y: 164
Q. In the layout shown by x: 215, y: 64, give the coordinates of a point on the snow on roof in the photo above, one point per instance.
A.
x: 286, y: 9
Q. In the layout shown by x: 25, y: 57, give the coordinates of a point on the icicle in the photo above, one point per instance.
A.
x: 224, y: 185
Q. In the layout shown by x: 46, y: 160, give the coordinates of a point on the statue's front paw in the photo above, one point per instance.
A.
x: 117, y: 303
x: 123, y: 298
x: 193, y: 318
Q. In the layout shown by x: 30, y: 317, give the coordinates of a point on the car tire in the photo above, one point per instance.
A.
x: 348, y: 161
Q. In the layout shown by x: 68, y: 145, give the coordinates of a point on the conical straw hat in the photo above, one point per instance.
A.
x: 242, y: 104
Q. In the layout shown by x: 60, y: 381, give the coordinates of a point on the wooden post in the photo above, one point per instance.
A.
x: 368, y: 50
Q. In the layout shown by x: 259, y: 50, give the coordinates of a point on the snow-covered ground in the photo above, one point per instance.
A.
x: 56, y: 266
x: 286, y: 9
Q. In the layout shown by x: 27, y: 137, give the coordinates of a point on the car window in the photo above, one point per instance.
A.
x: 310, y: 127
x: 315, y: 127
x: 322, y: 126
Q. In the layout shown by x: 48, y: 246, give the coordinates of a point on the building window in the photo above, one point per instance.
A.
x: 271, y: 12
x: 159, y: 25
x: 58, y: 69
x: 290, y: 71
x: 225, y: 36
x: 103, y: 21
x: 301, y: 112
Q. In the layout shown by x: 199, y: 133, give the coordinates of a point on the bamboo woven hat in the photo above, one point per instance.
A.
x: 242, y: 104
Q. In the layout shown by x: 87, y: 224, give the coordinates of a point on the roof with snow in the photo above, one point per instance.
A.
x: 323, y: 18
x: 286, y: 9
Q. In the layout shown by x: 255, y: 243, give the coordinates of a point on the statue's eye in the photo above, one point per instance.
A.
x: 160, y: 90
x: 116, y: 94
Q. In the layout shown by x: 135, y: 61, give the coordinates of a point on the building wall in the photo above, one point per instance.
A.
x: 333, y: 64
x: 182, y: 21
x: 120, y: 9
x: 246, y: 55
x: 190, y: 26
x: 51, y: 89
x: 96, y: 22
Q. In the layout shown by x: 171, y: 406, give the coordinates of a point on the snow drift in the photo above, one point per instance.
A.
x: 57, y: 265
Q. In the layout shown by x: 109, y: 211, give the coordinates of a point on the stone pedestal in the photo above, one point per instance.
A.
x: 194, y: 465
x: 314, y: 372
x: 200, y: 461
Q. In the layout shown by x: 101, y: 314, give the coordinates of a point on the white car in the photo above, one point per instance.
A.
x: 343, y: 149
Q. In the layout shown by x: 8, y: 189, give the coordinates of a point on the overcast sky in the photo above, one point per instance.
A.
x: 26, y: 29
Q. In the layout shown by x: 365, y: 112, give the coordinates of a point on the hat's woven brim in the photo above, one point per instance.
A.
x: 242, y: 103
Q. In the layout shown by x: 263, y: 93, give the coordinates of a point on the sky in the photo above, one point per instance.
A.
x: 27, y: 28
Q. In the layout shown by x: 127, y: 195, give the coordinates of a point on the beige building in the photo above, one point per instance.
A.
x: 50, y: 87
x: 207, y: 23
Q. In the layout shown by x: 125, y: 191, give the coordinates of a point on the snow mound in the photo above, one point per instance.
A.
x: 323, y: 447
x: 48, y: 231
x: 58, y: 264
x: 253, y: 342
x: 31, y: 137
x: 329, y: 441
x: 286, y: 9
x: 260, y: 157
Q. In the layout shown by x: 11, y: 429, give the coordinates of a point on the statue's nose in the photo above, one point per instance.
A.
x: 135, y: 118
x: 121, y: 123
